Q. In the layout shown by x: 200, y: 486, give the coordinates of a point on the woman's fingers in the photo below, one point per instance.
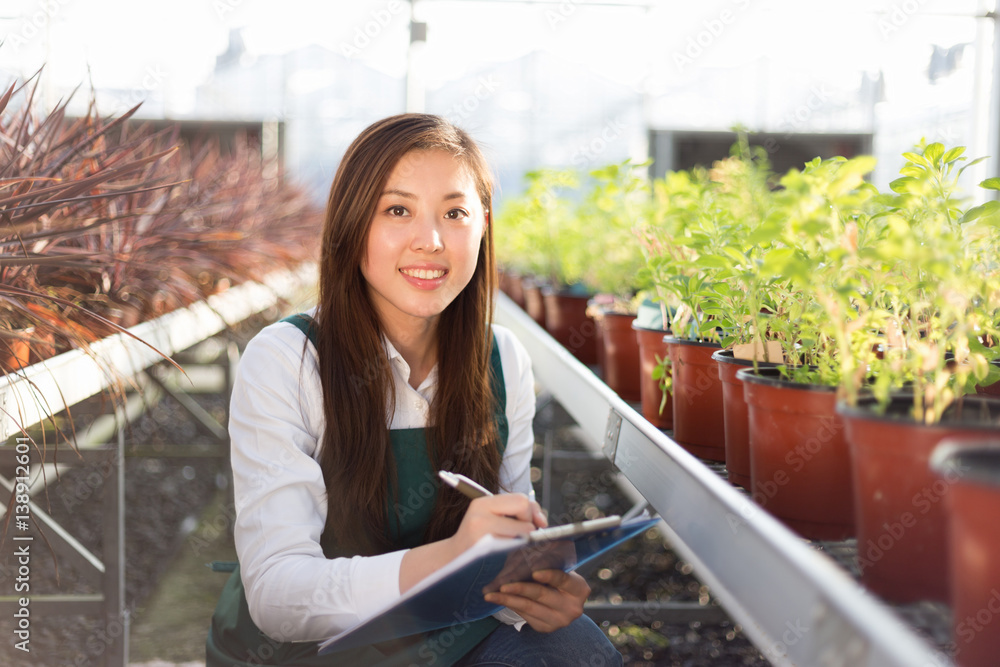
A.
x: 505, y: 515
x: 514, y: 505
x: 554, y: 600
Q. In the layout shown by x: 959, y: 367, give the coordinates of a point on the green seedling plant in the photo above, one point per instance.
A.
x: 741, y: 231
x: 538, y: 227
x: 941, y: 306
x: 820, y: 276
x: 608, y: 216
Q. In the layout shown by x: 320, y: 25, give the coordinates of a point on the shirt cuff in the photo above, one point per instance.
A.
x: 510, y: 617
x: 375, y: 582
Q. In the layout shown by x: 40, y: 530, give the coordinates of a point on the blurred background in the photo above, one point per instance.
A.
x: 575, y: 83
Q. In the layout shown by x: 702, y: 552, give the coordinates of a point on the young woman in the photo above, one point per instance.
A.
x: 340, y: 419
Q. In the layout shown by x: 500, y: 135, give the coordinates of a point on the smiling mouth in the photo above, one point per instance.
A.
x: 423, y: 274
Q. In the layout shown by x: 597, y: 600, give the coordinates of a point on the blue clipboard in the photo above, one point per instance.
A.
x: 454, y: 594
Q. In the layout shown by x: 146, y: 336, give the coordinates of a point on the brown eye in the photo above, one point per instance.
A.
x: 397, y: 211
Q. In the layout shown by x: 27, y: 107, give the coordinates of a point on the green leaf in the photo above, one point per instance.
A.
x: 916, y: 158
x: 953, y: 154
x: 934, y: 151
x: 991, y: 184
x: 976, y: 161
x: 981, y: 211
x: 902, y: 185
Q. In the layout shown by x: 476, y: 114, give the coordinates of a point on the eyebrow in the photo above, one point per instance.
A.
x: 409, y: 195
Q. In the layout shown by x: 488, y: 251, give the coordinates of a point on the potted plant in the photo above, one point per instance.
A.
x: 968, y: 478
x: 532, y: 224
x: 680, y: 229
x: 938, y: 310
x: 612, y: 209
x: 800, y: 467
x: 741, y: 293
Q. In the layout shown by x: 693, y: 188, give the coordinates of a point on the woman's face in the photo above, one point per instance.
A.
x: 424, y: 238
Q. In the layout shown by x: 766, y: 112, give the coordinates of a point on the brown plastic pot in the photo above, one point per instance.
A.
x: 800, y: 466
x: 620, y: 361
x: 567, y: 320
x: 534, y: 304
x: 899, y: 514
x: 697, y: 398
x: 735, y: 415
x: 651, y: 346
x: 970, y: 474
x: 512, y: 285
x: 990, y: 389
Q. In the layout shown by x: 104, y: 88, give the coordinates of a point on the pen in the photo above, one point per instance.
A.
x: 463, y: 484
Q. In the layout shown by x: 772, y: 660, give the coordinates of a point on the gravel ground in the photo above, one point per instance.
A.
x: 165, y: 496
x: 644, y: 569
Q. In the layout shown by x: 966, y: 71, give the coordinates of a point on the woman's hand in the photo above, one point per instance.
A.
x: 504, y: 515
x: 554, y: 600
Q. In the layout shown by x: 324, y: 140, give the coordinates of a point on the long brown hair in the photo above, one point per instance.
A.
x: 356, y: 457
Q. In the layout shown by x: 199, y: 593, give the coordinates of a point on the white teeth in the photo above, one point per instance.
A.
x: 423, y: 274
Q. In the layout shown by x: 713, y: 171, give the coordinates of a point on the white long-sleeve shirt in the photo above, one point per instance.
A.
x: 276, y: 426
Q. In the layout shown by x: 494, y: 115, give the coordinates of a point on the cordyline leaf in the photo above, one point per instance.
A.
x: 6, y: 97
x: 104, y: 130
x: 72, y: 260
x: 4, y: 182
x: 79, y: 198
x: 85, y: 184
x: 10, y: 289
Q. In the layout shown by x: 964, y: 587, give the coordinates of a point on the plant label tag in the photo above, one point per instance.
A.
x: 770, y: 351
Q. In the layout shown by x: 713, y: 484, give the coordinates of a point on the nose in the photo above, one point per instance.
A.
x: 426, y: 235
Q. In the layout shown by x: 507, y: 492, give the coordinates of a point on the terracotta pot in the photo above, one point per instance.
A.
x: 990, y: 389
x: 800, y: 466
x: 602, y: 361
x: 620, y: 366
x: 534, y: 304
x: 735, y: 415
x: 651, y: 346
x: 512, y: 286
x: 697, y: 398
x: 567, y: 320
x: 970, y: 474
x: 898, y: 509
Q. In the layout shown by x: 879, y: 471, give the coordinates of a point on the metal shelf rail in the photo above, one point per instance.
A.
x: 33, y: 395
x: 794, y: 603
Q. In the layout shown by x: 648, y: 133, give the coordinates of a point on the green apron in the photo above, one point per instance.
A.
x: 234, y: 639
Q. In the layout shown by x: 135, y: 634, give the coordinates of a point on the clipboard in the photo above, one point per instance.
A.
x: 454, y: 594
